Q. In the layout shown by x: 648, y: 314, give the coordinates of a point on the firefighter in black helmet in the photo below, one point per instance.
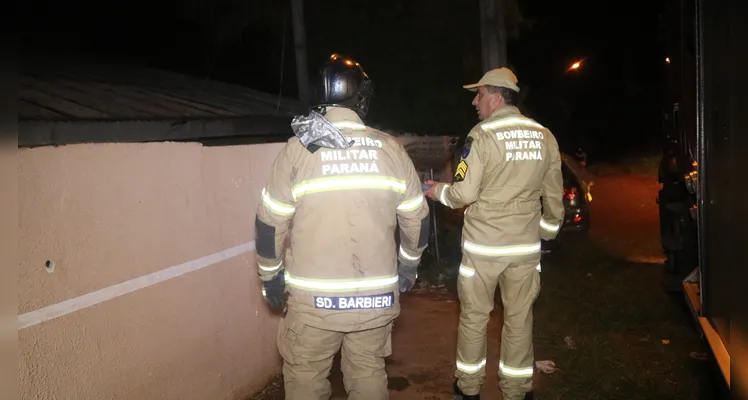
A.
x: 342, y: 82
x: 345, y: 188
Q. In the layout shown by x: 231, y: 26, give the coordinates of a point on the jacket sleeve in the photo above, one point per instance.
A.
x: 552, y: 192
x: 412, y: 215
x: 274, y: 214
x: 465, y: 187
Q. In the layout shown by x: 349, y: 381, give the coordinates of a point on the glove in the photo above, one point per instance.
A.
x: 407, y: 276
x: 274, y: 290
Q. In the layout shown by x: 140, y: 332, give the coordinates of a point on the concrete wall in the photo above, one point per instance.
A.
x: 99, y: 321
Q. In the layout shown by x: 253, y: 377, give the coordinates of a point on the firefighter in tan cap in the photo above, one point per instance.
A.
x: 342, y: 188
x: 509, y: 163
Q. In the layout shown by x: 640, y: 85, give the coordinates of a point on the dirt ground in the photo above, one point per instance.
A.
x: 602, y: 317
x: 625, y: 218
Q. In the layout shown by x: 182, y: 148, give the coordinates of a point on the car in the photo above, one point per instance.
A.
x: 577, y: 197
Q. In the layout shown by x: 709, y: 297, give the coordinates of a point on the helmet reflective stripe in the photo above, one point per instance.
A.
x: 276, y: 206
x: 510, y: 122
x: 337, y: 285
x: 471, y: 368
x: 548, y: 227
x: 515, y: 372
x: 412, y: 204
x: 348, y: 183
x: 515, y: 250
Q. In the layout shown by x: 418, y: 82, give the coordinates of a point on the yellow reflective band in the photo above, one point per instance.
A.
x: 502, y: 250
x: 510, y: 122
x: 336, y: 285
x: 515, y: 372
x: 466, y: 271
x: 348, y: 183
x: 408, y: 256
x: 443, y: 196
x: 350, y: 125
x: 548, y: 227
x: 276, y: 206
x: 270, y: 268
x: 412, y: 204
x: 471, y: 368
x: 538, y: 267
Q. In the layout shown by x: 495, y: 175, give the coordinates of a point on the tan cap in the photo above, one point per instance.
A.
x: 501, y: 77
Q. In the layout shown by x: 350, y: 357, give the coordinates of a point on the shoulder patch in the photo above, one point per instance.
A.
x: 466, y: 148
x: 461, y: 171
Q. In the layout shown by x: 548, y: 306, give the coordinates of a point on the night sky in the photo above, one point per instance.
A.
x: 418, y: 53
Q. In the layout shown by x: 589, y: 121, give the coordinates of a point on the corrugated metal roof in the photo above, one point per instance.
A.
x: 74, y: 91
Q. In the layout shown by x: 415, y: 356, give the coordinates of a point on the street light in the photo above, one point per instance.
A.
x: 576, y: 65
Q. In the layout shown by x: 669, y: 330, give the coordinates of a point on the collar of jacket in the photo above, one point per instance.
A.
x: 504, y: 111
x: 342, y: 115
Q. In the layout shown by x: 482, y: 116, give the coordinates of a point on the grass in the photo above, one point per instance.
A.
x: 632, y: 340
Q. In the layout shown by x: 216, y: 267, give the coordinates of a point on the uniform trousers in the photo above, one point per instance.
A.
x: 308, y: 353
x: 519, y: 283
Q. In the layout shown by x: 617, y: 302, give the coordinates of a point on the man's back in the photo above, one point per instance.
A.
x: 507, y: 165
x: 343, y: 205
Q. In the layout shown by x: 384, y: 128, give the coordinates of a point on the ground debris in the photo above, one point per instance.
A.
x: 546, y: 366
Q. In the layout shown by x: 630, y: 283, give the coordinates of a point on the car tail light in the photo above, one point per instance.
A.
x: 570, y: 193
x: 577, y: 219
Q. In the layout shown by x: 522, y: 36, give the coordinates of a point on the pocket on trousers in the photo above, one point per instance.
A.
x: 386, y: 349
x: 536, y: 283
x: 289, y: 336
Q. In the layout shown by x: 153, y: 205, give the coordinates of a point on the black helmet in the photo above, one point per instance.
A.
x: 343, y: 82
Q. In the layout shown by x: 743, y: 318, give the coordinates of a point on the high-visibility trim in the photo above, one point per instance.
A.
x: 276, y: 206
x: 516, y: 250
x: 515, y: 372
x: 349, y: 125
x: 512, y: 121
x: 548, y: 226
x: 348, y: 183
x: 408, y: 256
x: 443, y: 196
x: 271, y: 268
x: 412, y: 204
x: 337, y: 285
x: 537, y: 267
x: 466, y: 271
x: 471, y: 368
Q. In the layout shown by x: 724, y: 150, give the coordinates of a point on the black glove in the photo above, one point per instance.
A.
x: 407, y: 276
x: 274, y: 290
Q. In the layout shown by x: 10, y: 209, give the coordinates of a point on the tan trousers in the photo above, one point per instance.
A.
x: 308, y: 354
x: 520, y: 285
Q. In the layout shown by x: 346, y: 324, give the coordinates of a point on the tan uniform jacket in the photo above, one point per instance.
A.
x: 343, y: 207
x: 509, y: 162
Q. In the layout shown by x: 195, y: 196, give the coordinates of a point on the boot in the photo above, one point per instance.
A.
x: 460, y: 396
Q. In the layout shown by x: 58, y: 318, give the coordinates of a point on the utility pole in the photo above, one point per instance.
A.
x: 493, y: 34
x: 299, y: 34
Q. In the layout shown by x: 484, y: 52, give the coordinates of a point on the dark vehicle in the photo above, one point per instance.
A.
x: 577, y: 197
x: 704, y: 62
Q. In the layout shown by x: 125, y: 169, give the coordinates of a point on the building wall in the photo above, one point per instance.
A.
x: 137, y: 276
